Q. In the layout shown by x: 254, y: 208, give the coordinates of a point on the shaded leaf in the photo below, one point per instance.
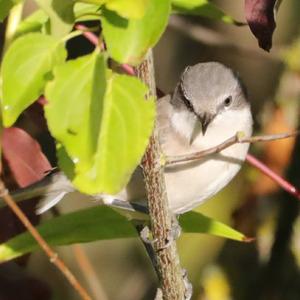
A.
x: 104, y: 128
x: 194, y: 222
x: 97, y: 223
x: 202, y: 8
x: 24, y: 72
x: 129, y: 40
x: 102, y: 223
x: 24, y: 156
x: 61, y: 15
x: 261, y: 20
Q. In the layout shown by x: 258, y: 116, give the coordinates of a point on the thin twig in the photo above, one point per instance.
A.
x: 43, y: 244
x: 271, y: 174
x: 93, y: 38
x: 236, y: 139
x: 89, y: 273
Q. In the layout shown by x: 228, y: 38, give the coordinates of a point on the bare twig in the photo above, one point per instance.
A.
x: 237, y: 138
x: 43, y: 244
x: 168, y: 266
x: 93, y: 38
x: 271, y: 174
x: 89, y: 273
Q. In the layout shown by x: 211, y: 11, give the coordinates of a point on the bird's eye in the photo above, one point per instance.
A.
x: 228, y: 101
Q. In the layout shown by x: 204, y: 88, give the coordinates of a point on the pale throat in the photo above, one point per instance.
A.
x: 222, y: 127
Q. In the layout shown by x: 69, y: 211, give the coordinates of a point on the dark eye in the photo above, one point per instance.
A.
x: 227, y: 101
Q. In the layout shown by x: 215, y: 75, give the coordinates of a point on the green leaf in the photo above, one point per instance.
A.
x: 104, y: 127
x: 35, y: 22
x: 5, y: 7
x: 129, y: 40
x: 61, y: 15
x: 97, y: 223
x: 86, y: 12
x: 25, y: 70
x: 102, y: 223
x: 129, y: 9
x: 202, y: 8
x: 194, y: 222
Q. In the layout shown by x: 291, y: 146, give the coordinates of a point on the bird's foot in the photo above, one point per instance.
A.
x: 145, y: 235
x: 188, y: 286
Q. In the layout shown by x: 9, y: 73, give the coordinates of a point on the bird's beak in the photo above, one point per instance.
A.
x: 205, y: 119
x: 201, y: 125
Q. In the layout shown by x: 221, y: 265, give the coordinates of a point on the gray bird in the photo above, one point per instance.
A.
x: 208, y: 106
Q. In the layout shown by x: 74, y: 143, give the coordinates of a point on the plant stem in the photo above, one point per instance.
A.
x: 13, y: 22
x: 43, y: 244
x: 168, y: 266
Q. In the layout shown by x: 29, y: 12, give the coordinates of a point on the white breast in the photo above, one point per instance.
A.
x: 190, y: 184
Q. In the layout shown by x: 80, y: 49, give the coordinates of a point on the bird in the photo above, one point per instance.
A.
x: 208, y: 106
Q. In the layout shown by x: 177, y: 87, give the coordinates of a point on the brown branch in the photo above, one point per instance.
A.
x: 236, y: 139
x: 168, y: 266
x: 43, y: 244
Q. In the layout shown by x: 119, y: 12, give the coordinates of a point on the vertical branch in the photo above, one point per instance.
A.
x: 168, y: 266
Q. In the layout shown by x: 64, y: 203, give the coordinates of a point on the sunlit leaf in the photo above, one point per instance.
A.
x: 128, y: 40
x: 33, y: 23
x: 202, y: 8
x: 130, y: 9
x: 6, y: 6
x: 61, y: 15
x: 86, y: 12
x: 102, y: 223
x: 104, y: 128
x: 25, y: 69
x: 194, y: 222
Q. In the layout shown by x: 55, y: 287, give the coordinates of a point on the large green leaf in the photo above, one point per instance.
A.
x: 104, y: 128
x: 202, y: 8
x: 25, y: 69
x: 102, y: 223
x: 98, y: 223
x: 128, y: 40
x: 61, y: 15
x: 6, y: 6
x: 130, y: 9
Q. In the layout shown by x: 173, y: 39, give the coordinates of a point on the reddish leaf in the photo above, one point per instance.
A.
x: 24, y: 156
x: 260, y: 17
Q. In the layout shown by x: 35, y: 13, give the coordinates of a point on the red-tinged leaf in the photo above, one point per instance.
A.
x: 24, y: 156
x: 261, y: 20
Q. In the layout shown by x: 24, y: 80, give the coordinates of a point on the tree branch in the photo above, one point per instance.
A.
x: 236, y: 139
x: 43, y: 244
x: 168, y: 266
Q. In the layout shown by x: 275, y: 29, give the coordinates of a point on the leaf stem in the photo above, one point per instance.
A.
x: 4, y: 194
x: 13, y: 22
x: 71, y: 35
